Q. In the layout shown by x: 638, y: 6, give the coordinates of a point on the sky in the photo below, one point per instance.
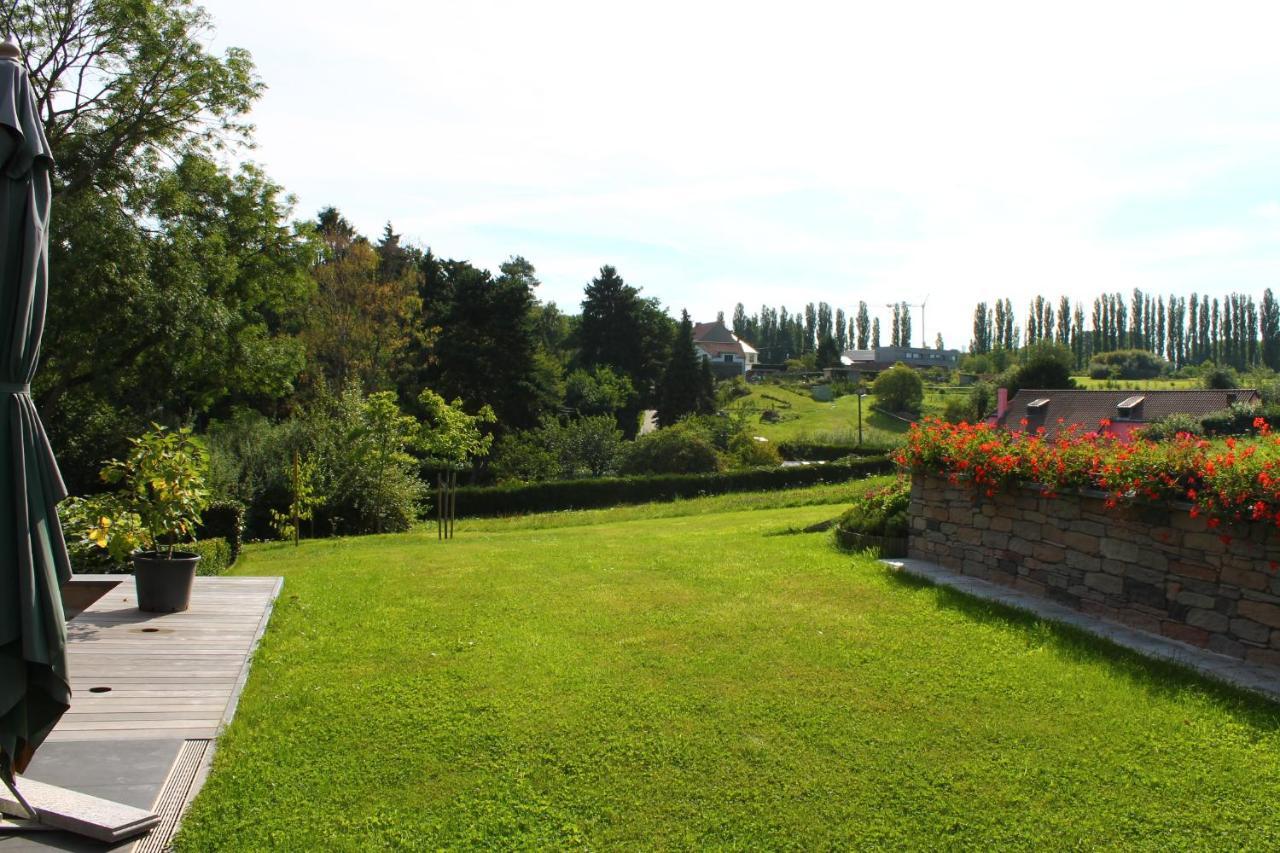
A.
x: 784, y: 153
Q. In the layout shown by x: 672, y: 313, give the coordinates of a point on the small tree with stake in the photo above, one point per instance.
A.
x: 451, y: 440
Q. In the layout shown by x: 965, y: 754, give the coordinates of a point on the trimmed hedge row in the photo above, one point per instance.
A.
x: 612, y: 491
x: 224, y: 520
x: 808, y: 451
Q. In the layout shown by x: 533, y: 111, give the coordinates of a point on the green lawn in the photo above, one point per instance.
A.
x: 1138, y: 384
x: 806, y: 419
x: 694, y: 675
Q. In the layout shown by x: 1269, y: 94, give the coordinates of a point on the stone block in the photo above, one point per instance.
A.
x: 1020, y: 546
x: 1186, y: 633
x: 1137, y: 592
x: 1259, y: 611
x: 1243, y: 578
x: 1193, y: 570
x: 1208, y: 543
x: 1089, y: 528
x: 1138, y: 619
x: 1226, y: 646
x: 1142, y: 574
x: 1082, y: 542
x: 1114, y: 549
x: 1210, y: 620
x: 980, y: 522
x: 1026, y: 529
x: 1193, y: 599
x: 1047, y: 553
x: 1002, y: 523
x: 994, y: 539
x: 1108, y: 584
x: 1084, y: 562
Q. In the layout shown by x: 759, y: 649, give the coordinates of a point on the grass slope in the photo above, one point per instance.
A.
x: 700, y: 680
x: 806, y: 419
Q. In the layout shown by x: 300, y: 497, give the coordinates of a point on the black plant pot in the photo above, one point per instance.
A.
x: 164, y: 584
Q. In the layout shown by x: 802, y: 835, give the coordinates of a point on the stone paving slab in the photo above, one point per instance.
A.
x: 1232, y: 671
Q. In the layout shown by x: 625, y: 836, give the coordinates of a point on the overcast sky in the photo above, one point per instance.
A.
x: 790, y: 152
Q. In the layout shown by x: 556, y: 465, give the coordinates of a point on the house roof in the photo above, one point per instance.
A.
x: 715, y: 338
x: 1059, y: 409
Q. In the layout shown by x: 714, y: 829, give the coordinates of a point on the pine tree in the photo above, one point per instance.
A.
x: 687, y: 385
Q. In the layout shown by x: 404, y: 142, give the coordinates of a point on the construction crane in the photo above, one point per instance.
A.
x: 924, y: 339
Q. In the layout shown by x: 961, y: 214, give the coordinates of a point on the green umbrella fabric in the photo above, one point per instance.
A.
x: 34, y: 688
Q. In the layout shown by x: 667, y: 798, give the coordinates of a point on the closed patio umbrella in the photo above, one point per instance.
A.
x: 34, y: 689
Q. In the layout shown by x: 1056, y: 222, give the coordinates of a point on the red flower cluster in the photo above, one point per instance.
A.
x: 1229, y: 480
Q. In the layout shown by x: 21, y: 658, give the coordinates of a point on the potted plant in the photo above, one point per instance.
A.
x: 162, y: 495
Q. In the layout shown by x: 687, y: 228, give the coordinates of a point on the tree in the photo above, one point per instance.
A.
x: 937, y: 342
x: 687, y: 384
x: 841, y: 331
x: 864, y: 326
x: 875, y: 333
x: 828, y: 354
x: 1269, y: 324
x: 1045, y: 365
x: 600, y: 391
x: 488, y: 353
x: 624, y: 331
x: 904, y: 324
x: 899, y: 389
x: 448, y: 436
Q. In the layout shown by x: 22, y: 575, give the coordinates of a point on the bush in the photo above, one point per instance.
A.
x: 1045, y: 365
x: 680, y: 449
x: 224, y: 520
x: 613, y: 491
x: 747, y: 451
x: 1218, y: 378
x: 1168, y: 428
x: 879, y: 512
x: 583, y: 447
x: 958, y: 409
x: 815, y: 451
x: 899, y: 389
x: 215, y: 555
x: 1127, y: 364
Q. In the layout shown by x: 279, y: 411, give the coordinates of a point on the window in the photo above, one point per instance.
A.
x: 728, y: 357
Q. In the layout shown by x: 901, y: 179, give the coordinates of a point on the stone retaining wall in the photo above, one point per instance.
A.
x: 1150, y: 567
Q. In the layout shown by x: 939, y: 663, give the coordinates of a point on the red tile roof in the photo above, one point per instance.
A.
x: 1088, y: 408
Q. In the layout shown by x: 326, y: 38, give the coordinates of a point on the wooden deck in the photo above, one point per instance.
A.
x: 167, y: 675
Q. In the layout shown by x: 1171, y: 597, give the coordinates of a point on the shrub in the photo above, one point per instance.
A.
x: 899, y: 389
x: 1218, y: 378
x: 1169, y: 427
x: 1044, y: 365
x: 817, y: 451
x: 1127, y: 364
x: 224, y: 520
x: 582, y: 447
x: 679, y: 449
x: 957, y: 409
x: 748, y: 451
x: 215, y: 555
x: 612, y: 491
x: 880, y: 512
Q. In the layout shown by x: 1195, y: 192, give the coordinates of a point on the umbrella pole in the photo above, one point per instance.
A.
x: 30, y: 813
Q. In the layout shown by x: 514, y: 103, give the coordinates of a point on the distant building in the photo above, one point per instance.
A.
x: 877, y: 359
x: 1122, y: 411
x: 729, y: 355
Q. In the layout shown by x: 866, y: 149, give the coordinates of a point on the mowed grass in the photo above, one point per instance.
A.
x: 703, y: 678
x: 806, y: 419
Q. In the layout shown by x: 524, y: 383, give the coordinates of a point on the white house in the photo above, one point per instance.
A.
x: 729, y: 355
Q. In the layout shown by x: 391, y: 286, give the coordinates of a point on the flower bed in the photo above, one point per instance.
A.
x: 1172, y: 537
x: 1231, y: 482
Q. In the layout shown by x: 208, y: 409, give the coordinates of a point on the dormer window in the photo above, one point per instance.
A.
x: 1129, y: 408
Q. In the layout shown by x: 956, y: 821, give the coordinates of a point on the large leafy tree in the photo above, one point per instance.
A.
x: 172, y: 280
x: 488, y: 352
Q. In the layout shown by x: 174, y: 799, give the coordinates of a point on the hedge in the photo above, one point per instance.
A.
x: 611, y: 491
x: 224, y: 520
x: 215, y: 558
x: 812, y: 451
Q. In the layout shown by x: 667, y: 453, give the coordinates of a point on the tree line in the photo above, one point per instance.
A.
x: 1231, y: 330
x: 780, y: 335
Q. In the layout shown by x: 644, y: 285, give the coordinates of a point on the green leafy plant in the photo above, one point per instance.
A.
x: 304, y: 497
x: 162, y: 484
x: 880, y: 512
